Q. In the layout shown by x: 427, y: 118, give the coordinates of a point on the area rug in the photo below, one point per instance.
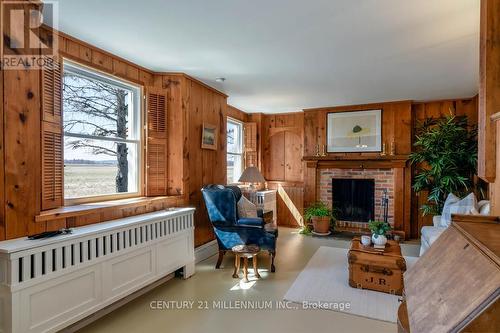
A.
x: 323, y: 283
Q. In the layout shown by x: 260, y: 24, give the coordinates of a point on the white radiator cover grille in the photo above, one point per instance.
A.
x: 145, y: 239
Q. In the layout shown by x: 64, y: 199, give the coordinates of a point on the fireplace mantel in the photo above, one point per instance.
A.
x: 356, y: 161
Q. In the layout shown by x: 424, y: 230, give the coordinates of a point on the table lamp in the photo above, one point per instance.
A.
x: 252, y: 175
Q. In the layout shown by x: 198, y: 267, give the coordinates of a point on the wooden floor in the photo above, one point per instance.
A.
x: 211, y: 287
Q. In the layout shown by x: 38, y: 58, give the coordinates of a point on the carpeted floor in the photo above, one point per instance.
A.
x: 324, y: 282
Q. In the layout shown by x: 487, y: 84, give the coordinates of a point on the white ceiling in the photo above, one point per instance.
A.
x: 286, y: 55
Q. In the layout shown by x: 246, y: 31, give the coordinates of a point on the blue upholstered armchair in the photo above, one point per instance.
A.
x: 230, y: 230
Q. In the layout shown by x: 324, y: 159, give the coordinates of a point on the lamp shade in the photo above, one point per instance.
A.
x: 252, y: 175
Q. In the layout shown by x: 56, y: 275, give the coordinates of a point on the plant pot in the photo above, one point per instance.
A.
x: 379, y: 239
x: 321, y: 224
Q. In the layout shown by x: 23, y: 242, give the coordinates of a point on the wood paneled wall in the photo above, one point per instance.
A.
x: 237, y: 114
x: 396, y: 126
x: 440, y: 109
x: 21, y: 149
x: 489, y: 100
x: 205, y: 166
x: 190, y: 103
x: 396, y: 130
x: 2, y: 163
x: 257, y: 119
x: 290, y: 203
x: 283, y: 141
x: 398, y: 121
x: 489, y: 91
x: 91, y: 56
x: 282, y: 151
x: 282, y: 147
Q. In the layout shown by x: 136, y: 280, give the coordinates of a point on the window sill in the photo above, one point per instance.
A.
x: 97, y: 207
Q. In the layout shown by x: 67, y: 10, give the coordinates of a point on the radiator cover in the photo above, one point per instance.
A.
x: 48, y: 284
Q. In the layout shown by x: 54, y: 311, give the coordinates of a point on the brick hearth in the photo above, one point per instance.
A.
x: 384, y: 179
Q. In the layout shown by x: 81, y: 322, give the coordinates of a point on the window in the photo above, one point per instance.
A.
x: 102, y: 136
x: 234, y: 150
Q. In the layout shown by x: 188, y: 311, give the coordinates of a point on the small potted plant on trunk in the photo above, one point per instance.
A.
x: 379, y: 230
x: 321, y: 217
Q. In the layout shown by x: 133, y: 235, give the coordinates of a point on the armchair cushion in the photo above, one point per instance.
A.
x: 227, y: 237
x: 246, y: 208
x: 251, y: 222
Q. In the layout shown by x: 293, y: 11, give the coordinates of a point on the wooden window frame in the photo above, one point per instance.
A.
x: 242, y: 140
x: 139, y: 105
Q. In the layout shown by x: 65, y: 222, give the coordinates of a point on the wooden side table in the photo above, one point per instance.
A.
x: 268, y: 216
x: 245, y: 252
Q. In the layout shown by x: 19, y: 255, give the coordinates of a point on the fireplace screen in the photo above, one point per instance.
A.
x: 354, y: 199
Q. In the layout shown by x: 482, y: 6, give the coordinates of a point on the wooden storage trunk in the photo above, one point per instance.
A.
x: 376, y: 270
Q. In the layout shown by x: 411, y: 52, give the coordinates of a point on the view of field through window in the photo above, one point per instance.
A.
x: 101, y: 148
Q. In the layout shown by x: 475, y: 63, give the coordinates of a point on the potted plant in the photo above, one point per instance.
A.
x: 379, y: 230
x: 321, y: 217
x: 445, y: 159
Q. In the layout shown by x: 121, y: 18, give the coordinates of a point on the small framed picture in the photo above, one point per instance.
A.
x: 354, y: 131
x: 209, y: 137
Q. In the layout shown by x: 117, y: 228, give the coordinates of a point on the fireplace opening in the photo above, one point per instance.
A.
x: 354, y: 199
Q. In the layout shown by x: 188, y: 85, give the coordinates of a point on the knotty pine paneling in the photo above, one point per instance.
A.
x: 396, y: 126
x: 190, y: 102
x: 290, y: 203
x: 257, y: 118
x: 282, y: 165
x: 494, y: 188
x: 2, y: 164
x: 440, y: 109
x: 274, y: 157
x: 89, y: 55
x: 237, y: 114
x: 22, y: 150
x: 282, y: 147
x: 177, y: 132
x: 489, y: 91
x: 205, y: 166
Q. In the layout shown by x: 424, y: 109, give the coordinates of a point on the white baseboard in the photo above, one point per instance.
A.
x: 206, y: 251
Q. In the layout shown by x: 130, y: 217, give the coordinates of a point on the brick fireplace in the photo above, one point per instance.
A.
x: 390, y: 173
x: 383, y: 180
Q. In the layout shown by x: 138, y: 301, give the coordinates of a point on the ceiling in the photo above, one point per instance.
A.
x: 286, y: 55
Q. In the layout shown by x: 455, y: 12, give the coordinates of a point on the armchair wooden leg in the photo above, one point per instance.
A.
x: 273, y: 254
x: 255, y: 270
x: 219, y: 261
x: 236, y: 266
x: 245, y: 269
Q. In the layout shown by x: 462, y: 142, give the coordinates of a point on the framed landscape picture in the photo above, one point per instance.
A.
x: 356, y: 131
x: 209, y: 137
